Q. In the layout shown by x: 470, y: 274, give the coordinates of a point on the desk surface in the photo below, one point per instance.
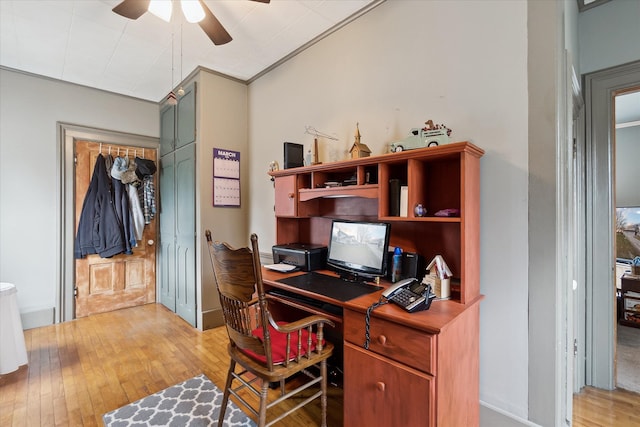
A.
x: 434, y: 320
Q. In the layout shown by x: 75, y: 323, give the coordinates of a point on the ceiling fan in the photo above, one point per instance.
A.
x: 194, y: 11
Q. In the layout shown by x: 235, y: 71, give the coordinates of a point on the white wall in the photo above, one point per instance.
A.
x: 627, y: 171
x: 222, y: 123
x: 30, y: 107
x: 609, y: 35
x: 460, y: 63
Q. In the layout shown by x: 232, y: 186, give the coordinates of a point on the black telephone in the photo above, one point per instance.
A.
x: 410, y: 294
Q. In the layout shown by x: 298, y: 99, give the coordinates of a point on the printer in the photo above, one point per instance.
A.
x: 306, y: 257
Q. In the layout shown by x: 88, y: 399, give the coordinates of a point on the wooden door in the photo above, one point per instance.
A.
x: 286, y: 195
x: 106, y: 284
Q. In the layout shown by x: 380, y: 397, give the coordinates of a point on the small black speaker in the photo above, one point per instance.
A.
x: 293, y: 155
x: 412, y: 265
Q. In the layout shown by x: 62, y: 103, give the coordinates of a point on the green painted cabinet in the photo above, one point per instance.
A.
x: 177, y: 250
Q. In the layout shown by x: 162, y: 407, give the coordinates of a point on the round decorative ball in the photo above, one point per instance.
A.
x: 420, y: 210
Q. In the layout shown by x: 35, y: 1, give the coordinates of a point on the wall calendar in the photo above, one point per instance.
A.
x: 226, y: 178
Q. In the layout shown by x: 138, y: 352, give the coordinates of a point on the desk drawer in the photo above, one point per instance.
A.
x: 398, y: 342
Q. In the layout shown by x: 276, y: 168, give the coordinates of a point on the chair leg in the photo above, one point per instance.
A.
x: 282, y: 387
x: 323, y: 388
x: 262, y: 421
x: 225, y: 397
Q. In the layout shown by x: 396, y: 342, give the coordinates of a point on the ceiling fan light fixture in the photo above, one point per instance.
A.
x: 161, y: 8
x: 192, y: 10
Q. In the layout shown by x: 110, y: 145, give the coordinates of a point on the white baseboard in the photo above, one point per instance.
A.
x: 491, y: 416
x: 35, y: 319
x: 212, y: 319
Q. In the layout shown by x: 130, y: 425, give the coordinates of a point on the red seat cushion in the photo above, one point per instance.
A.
x: 279, y: 344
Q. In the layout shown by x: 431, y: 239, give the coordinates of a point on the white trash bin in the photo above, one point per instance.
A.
x: 13, y: 352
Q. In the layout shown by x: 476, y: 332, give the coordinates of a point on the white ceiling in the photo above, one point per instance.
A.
x: 84, y: 42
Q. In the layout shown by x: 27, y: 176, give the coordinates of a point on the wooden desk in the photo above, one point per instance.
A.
x: 420, y: 369
x: 630, y: 300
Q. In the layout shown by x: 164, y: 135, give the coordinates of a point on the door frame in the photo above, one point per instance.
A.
x: 65, y: 215
x: 600, y: 319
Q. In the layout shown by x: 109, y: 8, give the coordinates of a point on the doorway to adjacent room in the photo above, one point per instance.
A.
x: 598, y: 366
x: 68, y: 136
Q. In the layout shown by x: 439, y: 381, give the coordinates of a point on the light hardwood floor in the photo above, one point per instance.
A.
x: 594, y: 407
x: 81, y: 369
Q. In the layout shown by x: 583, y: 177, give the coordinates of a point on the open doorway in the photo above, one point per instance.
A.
x: 600, y: 312
x: 126, y: 278
x: 627, y: 237
x: 68, y: 136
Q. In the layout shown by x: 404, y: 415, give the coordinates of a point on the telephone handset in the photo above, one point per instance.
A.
x: 410, y: 294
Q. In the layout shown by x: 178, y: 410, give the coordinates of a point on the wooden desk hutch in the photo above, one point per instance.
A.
x: 421, y: 369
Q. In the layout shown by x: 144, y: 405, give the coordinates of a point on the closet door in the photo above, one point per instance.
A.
x: 185, y: 226
x: 167, y: 251
x: 186, y: 119
x: 167, y: 129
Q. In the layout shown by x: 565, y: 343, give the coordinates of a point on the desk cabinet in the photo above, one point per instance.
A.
x: 386, y: 393
x: 421, y: 369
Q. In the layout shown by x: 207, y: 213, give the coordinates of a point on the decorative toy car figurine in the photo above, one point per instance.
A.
x: 428, y: 136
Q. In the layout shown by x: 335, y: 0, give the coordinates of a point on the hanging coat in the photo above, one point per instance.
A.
x: 137, y: 217
x: 99, y: 228
x: 123, y: 212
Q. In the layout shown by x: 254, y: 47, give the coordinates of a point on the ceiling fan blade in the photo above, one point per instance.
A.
x: 213, y: 28
x: 263, y: 1
x: 132, y: 9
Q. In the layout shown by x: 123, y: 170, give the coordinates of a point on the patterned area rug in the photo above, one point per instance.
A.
x: 195, y: 402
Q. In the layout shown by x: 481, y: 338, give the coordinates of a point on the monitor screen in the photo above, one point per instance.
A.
x: 359, y: 248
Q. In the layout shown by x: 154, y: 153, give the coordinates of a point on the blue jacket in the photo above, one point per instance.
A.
x: 100, y: 230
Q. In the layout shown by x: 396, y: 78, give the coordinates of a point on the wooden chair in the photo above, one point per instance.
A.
x: 267, y: 350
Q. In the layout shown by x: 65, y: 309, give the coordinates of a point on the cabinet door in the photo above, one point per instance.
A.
x: 286, y: 198
x: 185, y: 231
x: 167, y: 129
x: 167, y: 251
x: 186, y: 117
x: 379, y: 392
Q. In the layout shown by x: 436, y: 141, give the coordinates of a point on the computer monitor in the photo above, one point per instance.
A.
x: 358, y: 249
